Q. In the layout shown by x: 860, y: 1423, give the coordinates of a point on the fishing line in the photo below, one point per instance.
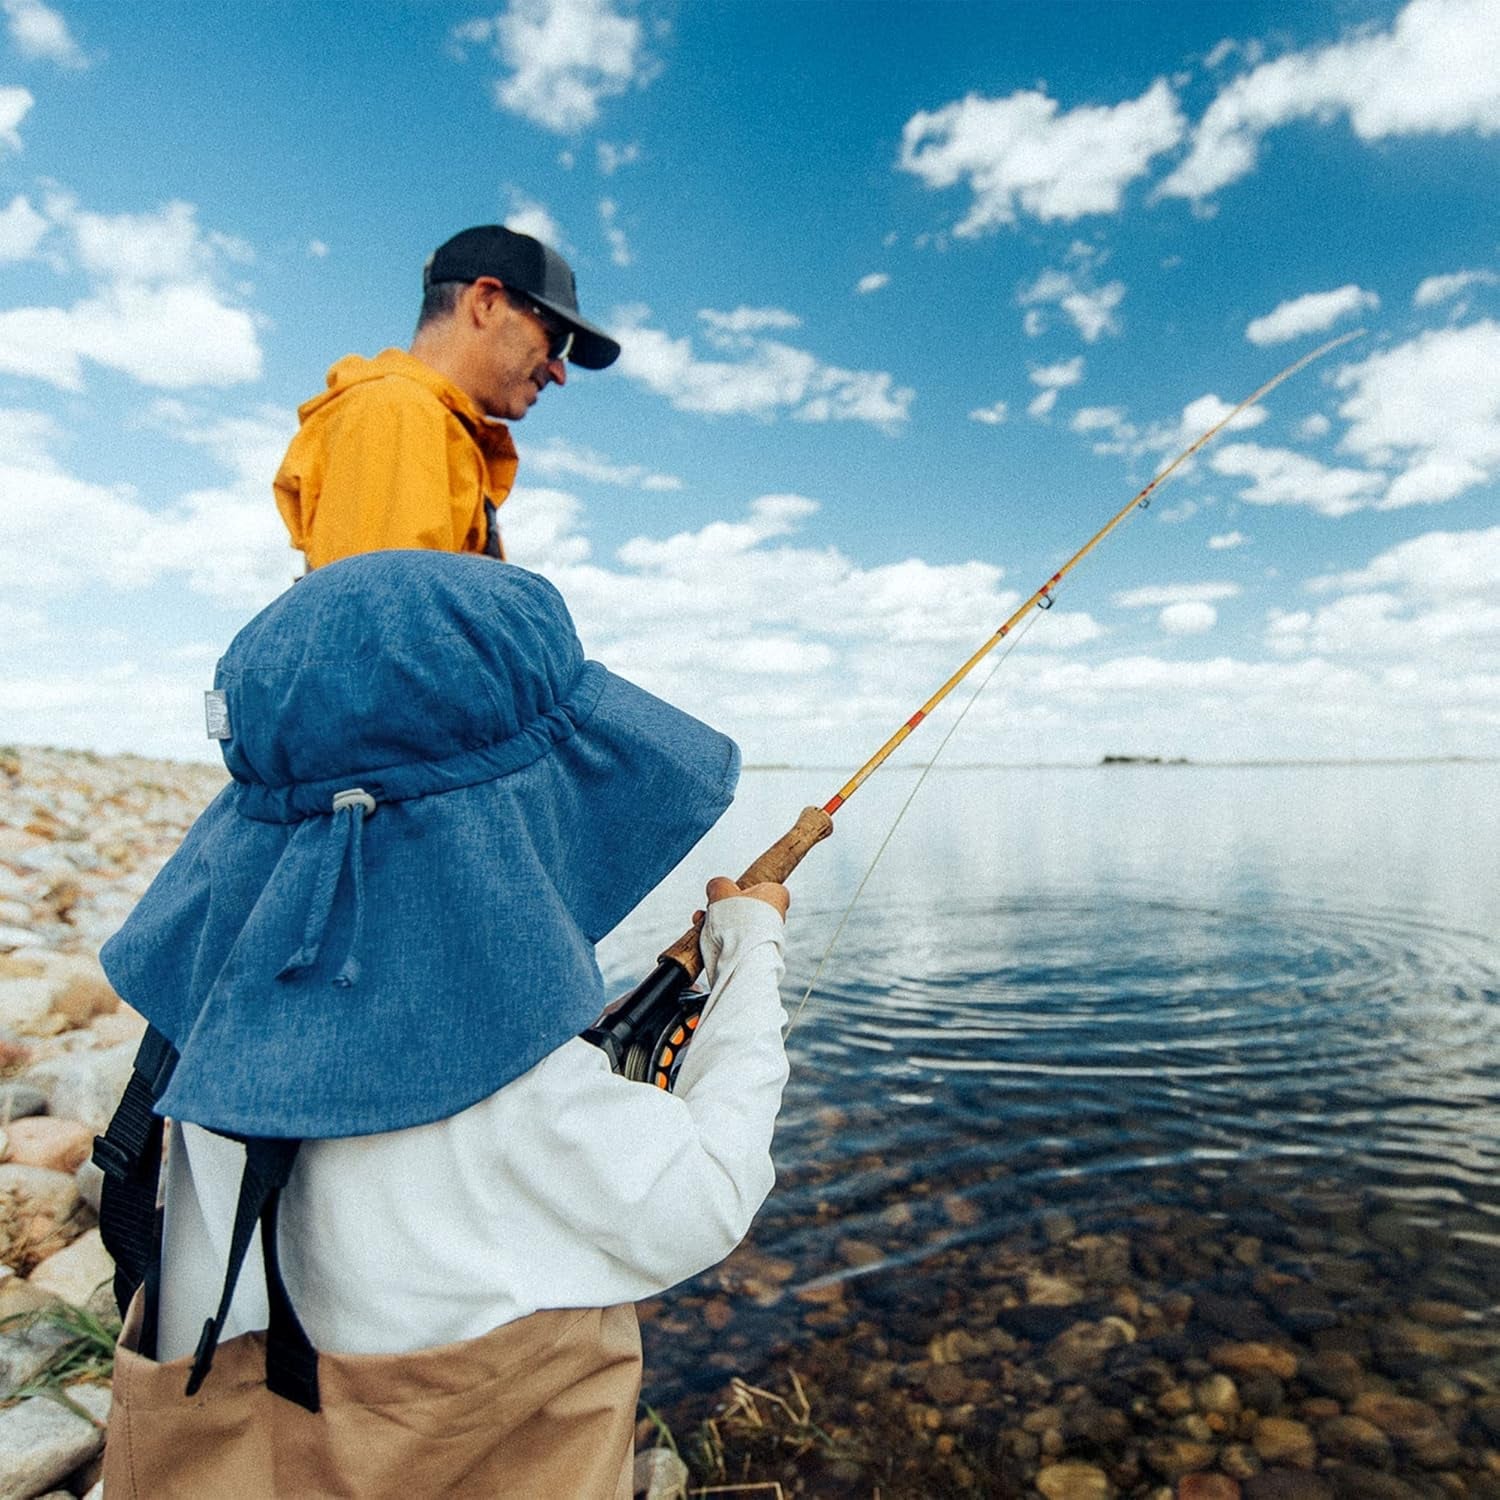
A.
x: 911, y: 797
x: 1014, y: 641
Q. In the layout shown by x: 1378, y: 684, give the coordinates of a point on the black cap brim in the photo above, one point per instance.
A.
x: 593, y: 349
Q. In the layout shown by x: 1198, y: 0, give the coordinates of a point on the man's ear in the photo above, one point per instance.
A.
x: 483, y: 300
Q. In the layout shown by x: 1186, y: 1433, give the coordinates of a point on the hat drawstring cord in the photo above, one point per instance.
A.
x: 345, y: 846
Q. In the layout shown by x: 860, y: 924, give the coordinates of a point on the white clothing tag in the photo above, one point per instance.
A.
x: 216, y: 712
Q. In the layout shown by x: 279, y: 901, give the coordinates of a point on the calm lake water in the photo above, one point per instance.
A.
x: 1270, y: 995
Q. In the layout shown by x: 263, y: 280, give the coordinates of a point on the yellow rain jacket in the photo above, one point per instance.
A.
x: 393, y: 454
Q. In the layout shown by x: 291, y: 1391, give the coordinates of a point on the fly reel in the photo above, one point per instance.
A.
x: 656, y: 1061
x: 646, y: 1033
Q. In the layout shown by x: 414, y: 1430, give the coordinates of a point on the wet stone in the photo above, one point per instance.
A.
x: 1263, y: 1393
x: 1335, y: 1374
x: 1074, y: 1481
x: 1355, y: 1439
x: 1217, y: 1393
x: 1254, y: 1358
x: 1208, y: 1487
x: 1240, y: 1317
x: 1357, y: 1482
x: 1038, y: 1324
x: 1279, y: 1440
x: 1304, y: 1309
x: 1173, y: 1457
x: 1083, y: 1347
x: 1286, y: 1484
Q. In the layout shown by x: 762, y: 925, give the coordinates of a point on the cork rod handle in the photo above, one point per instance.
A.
x: 812, y: 826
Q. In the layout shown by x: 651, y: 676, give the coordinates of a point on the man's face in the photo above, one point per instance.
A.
x: 518, y: 365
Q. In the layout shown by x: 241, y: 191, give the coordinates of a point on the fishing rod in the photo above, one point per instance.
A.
x: 645, y: 1033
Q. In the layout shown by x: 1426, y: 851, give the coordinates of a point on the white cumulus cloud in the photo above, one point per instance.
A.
x: 1432, y: 595
x: 558, y: 459
x: 745, y: 320
x: 527, y: 216
x: 1311, y: 313
x: 1056, y: 377
x: 619, y: 245
x: 21, y: 229
x: 1025, y: 154
x: 39, y: 32
x: 1158, y: 596
x: 1090, y: 308
x: 763, y: 377
x: 15, y: 105
x: 872, y: 283
x: 1436, y: 289
x: 1432, y: 72
x: 565, y: 58
x: 157, y: 311
x: 1431, y: 406
x: 225, y: 544
x: 1280, y: 476
x: 1191, y: 617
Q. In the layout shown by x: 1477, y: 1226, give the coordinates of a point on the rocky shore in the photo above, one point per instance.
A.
x: 81, y: 837
x: 1073, y: 1365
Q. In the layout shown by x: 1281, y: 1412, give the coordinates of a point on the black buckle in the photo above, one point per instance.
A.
x: 112, y: 1159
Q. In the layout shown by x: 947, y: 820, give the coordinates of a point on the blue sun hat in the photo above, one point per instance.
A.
x: 438, y: 807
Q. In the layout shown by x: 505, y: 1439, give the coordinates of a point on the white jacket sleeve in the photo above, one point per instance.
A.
x: 667, y: 1184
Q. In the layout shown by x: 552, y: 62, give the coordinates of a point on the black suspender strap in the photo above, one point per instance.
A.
x: 291, y: 1360
x: 129, y: 1155
x: 492, y: 530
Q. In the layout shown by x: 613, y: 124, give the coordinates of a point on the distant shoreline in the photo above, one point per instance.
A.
x: 1154, y: 763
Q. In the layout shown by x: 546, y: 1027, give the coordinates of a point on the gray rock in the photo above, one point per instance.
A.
x: 85, y: 1085
x: 659, y: 1475
x: 23, y: 1002
x: 90, y: 1181
x: 42, y: 1441
x: 18, y: 1100
x: 40, y: 1190
x: 24, y: 1350
x: 81, y: 1274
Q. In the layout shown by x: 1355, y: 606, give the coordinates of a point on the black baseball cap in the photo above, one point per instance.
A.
x: 529, y: 267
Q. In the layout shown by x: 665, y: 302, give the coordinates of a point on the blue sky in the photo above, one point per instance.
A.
x: 912, y: 298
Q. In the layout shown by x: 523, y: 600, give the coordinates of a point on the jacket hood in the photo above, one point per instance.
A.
x: 355, y: 369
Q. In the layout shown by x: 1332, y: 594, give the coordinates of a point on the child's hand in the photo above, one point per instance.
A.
x: 721, y: 888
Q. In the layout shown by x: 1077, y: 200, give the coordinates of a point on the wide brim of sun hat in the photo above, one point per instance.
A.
x: 489, y: 872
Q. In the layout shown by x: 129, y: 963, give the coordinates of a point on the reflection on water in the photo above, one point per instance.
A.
x: 1267, y: 999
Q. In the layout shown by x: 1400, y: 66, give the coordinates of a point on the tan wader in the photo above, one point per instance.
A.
x: 541, y: 1409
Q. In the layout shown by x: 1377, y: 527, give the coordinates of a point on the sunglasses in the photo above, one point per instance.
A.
x: 559, y: 339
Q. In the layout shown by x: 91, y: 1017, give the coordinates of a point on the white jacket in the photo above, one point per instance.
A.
x: 570, y: 1187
